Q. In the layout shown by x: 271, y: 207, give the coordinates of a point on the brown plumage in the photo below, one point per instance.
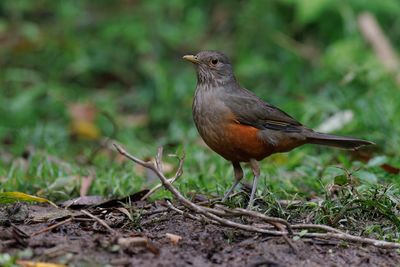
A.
x: 240, y: 126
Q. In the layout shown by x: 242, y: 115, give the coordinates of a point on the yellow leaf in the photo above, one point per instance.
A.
x: 38, y: 264
x: 85, y: 130
x: 12, y: 197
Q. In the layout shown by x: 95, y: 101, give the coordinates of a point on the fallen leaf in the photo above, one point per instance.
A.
x: 82, y: 111
x: 174, y: 239
x: 113, y: 203
x: 376, y: 161
x: 84, y: 130
x: 83, y: 117
x: 126, y: 212
x: 43, y: 214
x: 83, y: 202
x: 85, y: 184
x: 390, y: 169
x: 38, y: 264
x: 12, y: 197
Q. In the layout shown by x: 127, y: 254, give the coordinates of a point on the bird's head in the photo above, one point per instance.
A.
x: 212, y: 67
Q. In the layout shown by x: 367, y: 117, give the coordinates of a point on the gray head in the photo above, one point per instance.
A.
x: 212, y: 67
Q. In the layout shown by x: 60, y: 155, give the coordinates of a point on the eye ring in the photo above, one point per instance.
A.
x: 214, y: 61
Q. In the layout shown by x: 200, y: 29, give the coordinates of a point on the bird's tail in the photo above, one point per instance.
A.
x: 336, y: 141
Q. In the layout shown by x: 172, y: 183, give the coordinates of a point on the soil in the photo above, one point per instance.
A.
x: 142, y: 241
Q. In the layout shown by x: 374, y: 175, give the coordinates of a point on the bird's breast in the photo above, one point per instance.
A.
x: 221, y: 131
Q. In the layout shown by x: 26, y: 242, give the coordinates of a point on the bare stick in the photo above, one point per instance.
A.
x: 159, y: 164
x: 51, y: 227
x: 357, y: 239
x: 268, y: 219
x: 321, y: 227
x: 112, y: 231
x: 191, y: 216
x: 211, y: 215
x: 325, y: 228
x: 190, y: 205
x: 178, y: 173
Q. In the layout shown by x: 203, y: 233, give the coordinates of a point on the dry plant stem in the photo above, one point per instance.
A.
x: 288, y: 240
x: 191, y: 216
x: 148, y: 213
x: 51, y: 227
x: 159, y: 165
x: 190, y: 205
x: 335, y: 234
x: 112, y: 231
x: 178, y: 172
x: 316, y: 226
x: 352, y: 238
x: 321, y: 227
x: 267, y: 219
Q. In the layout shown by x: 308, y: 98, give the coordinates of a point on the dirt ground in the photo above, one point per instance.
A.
x: 142, y: 241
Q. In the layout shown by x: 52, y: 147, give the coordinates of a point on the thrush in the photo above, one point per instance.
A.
x: 240, y: 126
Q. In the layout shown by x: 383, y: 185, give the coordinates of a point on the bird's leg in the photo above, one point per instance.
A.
x: 255, y: 166
x: 238, y: 176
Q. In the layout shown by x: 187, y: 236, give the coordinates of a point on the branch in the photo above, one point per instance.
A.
x: 112, y: 231
x: 214, y: 215
x: 190, y: 205
x: 178, y: 172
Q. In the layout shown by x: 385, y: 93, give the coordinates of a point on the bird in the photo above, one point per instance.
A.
x: 240, y: 126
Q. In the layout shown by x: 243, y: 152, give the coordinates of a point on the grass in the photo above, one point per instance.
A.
x: 142, y: 94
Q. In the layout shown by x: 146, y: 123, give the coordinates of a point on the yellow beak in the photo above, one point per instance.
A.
x: 191, y: 58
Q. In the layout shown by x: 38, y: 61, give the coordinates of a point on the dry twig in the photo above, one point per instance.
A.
x: 159, y: 166
x: 190, y: 205
x: 214, y: 215
x: 51, y: 227
x: 112, y: 231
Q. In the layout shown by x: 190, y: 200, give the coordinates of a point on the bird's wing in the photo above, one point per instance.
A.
x: 251, y: 110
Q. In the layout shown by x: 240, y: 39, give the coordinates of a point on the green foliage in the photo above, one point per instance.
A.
x: 7, y: 261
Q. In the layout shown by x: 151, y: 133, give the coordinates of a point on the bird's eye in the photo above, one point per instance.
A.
x: 214, y: 61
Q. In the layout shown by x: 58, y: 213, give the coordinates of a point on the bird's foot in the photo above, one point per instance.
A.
x: 251, y: 203
x: 229, y: 192
x: 226, y: 196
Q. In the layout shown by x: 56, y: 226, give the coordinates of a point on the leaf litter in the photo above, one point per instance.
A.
x: 155, y: 235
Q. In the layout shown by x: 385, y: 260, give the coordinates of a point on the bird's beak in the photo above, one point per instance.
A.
x: 191, y: 58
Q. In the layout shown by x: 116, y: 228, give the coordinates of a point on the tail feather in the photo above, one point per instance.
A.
x: 336, y: 141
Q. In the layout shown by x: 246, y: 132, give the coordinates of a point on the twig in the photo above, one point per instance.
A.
x: 191, y: 216
x: 321, y: 227
x: 190, y: 205
x: 288, y: 240
x: 325, y: 228
x: 265, y: 218
x: 152, y: 212
x: 159, y: 166
x: 112, y: 231
x: 51, y: 227
x: 211, y: 215
x: 357, y: 239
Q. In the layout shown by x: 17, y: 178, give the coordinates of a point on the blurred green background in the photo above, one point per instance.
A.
x: 74, y: 73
